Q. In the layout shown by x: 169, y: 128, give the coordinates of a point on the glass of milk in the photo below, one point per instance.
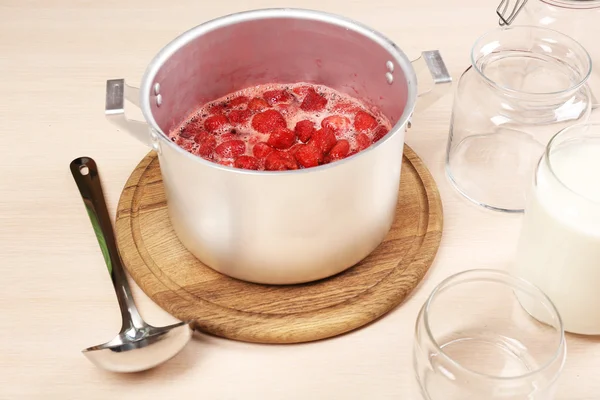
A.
x: 559, y: 245
x: 475, y: 341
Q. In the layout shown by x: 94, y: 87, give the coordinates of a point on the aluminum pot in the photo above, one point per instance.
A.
x: 281, y: 227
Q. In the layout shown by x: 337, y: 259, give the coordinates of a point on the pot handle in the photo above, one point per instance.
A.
x: 117, y: 91
x: 431, y: 64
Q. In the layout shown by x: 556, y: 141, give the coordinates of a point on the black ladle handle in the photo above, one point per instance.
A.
x: 85, y: 173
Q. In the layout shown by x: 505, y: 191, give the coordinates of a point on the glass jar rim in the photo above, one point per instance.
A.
x: 492, y: 275
x: 573, y: 45
x: 580, y: 4
x: 548, y: 158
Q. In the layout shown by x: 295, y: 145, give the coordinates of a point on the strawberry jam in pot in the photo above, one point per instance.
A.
x: 278, y: 127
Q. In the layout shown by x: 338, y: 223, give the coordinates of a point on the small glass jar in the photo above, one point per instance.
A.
x: 524, y: 84
x: 559, y: 245
x: 474, y: 340
x: 579, y: 19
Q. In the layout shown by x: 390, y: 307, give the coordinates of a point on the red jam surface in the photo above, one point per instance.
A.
x: 278, y: 127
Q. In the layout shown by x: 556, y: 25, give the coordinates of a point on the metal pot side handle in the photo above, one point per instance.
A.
x: 117, y: 91
x: 431, y: 65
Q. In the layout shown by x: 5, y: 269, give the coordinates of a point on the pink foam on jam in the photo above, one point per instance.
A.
x: 222, y: 130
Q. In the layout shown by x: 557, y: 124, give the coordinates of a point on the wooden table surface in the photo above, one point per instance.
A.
x: 56, y: 296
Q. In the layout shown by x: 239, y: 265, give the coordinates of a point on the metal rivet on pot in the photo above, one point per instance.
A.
x: 157, y: 87
x: 154, y: 141
x: 158, y: 100
x: 389, y: 77
x: 390, y: 66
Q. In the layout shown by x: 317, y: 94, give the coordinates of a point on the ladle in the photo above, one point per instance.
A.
x: 138, y: 346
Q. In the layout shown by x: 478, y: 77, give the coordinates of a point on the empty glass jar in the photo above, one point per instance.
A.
x: 524, y: 84
x: 576, y: 18
x: 475, y: 341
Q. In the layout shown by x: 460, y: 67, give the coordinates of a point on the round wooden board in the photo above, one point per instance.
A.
x: 223, y: 306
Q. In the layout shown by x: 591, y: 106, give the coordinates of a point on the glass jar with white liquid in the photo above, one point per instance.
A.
x: 559, y: 245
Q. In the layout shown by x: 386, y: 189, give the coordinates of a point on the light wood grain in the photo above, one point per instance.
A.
x: 189, y: 290
x: 56, y: 297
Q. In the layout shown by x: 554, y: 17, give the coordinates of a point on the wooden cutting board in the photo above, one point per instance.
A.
x: 223, y: 306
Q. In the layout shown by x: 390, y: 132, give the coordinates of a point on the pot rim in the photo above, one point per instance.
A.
x: 268, y: 13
